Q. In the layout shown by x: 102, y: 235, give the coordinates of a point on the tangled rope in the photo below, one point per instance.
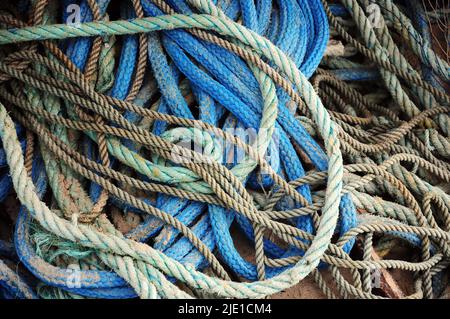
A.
x: 144, y: 140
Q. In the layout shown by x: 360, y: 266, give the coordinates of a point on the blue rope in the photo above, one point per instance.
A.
x: 357, y: 74
x: 223, y: 85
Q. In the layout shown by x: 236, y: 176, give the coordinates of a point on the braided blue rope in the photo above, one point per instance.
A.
x: 357, y: 74
x: 12, y: 287
x: 226, y: 246
x: 122, y: 81
x: 419, y: 19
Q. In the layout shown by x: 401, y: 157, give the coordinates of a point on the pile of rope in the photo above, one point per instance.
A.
x: 151, y: 140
